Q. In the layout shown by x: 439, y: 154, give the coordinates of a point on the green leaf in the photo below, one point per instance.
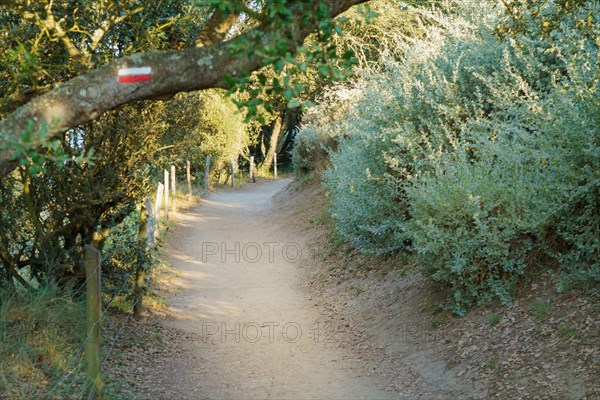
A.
x: 289, y: 93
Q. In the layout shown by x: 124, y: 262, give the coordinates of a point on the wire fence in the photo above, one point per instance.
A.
x: 80, y: 353
x: 222, y: 176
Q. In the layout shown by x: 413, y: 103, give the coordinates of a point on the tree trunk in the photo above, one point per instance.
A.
x: 173, y: 189
x: 277, y: 125
x: 189, y: 180
x: 206, y: 173
x: 140, y: 271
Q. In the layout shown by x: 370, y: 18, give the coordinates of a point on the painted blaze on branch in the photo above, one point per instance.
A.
x: 133, y: 75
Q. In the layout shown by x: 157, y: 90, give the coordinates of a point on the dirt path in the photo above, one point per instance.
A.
x: 252, y: 331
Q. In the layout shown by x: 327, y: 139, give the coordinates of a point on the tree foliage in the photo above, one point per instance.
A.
x: 85, y: 185
x: 279, y: 30
x: 84, y: 166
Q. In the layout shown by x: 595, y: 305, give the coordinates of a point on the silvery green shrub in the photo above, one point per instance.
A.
x: 476, y: 154
x: 322, y: 127
x: 476, y: 219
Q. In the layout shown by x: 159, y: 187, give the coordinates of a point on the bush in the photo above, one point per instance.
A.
x: 123, y: 252
x: 475, y: 221
x: 322, y: 127
x: 398, y: 128
x: 310, y: 152
x: 476, y: 153
x: 364, y: 203
x: 522, y: 177
x: 41, y: 338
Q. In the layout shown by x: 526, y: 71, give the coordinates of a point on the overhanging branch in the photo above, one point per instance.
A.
x: 88, y: 96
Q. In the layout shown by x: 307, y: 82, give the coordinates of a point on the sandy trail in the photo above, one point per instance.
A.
x: 254, y: 333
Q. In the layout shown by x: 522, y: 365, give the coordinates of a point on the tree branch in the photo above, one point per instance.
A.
x: 216, y: 28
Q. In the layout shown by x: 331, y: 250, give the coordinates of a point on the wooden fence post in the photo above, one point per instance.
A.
x: 206, y: 173
x: 93, y: 312
x: 150, y: 229
x: 232, y: 174
x: 140, y: 271
x: 274, y: 165
x: 173, y: 189
x: 189, y: 180
x: 157, y: 205
x: 167, y: 193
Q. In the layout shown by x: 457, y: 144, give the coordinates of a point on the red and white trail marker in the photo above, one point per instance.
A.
x: 131, y: 75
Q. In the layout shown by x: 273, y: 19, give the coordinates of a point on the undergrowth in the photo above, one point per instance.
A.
x: 41, y: 345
